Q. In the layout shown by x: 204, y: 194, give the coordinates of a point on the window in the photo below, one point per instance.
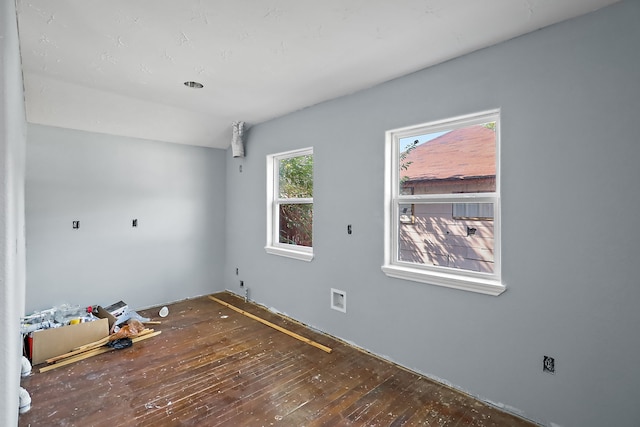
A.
x: 442, y: 203
x: 290, y: 204
x: 473, y: 211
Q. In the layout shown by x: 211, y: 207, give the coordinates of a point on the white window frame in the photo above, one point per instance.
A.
x: 273, y: 245
x: 485, y: 283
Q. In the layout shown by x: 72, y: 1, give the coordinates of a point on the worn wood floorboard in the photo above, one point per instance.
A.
x: 212, y: 366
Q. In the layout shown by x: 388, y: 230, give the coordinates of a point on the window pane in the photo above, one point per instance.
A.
x: 436, y: 238
x: 406, y: 213
x: 296, y: 223
x: 473, y: 210
x: 461, y: 160
x: 296, y: 177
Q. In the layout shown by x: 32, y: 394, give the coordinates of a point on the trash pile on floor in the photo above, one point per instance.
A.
x: 68, y: 333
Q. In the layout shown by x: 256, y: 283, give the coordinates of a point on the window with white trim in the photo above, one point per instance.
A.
x: 442, y: 203
x: 290, y: 204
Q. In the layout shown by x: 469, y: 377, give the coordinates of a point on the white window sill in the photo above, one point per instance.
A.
x: 455, y: 281
x: 289, y: 253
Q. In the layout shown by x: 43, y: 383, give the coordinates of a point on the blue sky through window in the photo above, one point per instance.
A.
x: 405, y: 142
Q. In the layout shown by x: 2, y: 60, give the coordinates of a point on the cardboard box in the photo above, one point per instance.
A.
x: 104, y: 314
x: 50, y: 343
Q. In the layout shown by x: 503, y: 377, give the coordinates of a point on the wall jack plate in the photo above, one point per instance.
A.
x: 548, y: 365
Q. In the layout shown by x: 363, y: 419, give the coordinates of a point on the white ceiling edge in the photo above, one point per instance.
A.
x: 115, y: 114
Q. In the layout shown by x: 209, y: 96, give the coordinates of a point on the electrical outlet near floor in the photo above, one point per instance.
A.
x: 548, y: 364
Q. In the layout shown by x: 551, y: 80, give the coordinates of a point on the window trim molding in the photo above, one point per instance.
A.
x: 273, y: 246
x: 484, y: 283
x: 455, y: 281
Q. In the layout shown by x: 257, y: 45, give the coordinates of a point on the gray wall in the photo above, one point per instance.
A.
x: 175, y: 192
x: 570, y: 100
x: 12, y: 242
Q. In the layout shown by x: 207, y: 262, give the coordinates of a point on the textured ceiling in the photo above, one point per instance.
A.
x: 118, y: 67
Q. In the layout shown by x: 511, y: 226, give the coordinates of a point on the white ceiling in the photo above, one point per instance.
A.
x: 118, y: 66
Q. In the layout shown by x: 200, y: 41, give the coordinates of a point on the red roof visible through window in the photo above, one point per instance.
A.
x: 463, y: 153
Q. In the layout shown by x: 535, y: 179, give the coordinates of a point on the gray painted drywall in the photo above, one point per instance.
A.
x: 570, y: 100
x: 176, y: 192
x: 12, y: 242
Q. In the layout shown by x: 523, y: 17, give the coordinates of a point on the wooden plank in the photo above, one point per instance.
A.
x: 272, y: 325
x: 90, y: 346
x: 82, y: 349
x: 91, y: 353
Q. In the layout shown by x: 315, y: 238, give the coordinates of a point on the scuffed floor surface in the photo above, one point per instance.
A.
x: 212, y: 366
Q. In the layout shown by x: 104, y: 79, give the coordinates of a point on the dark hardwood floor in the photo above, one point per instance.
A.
x: 212, y: 366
